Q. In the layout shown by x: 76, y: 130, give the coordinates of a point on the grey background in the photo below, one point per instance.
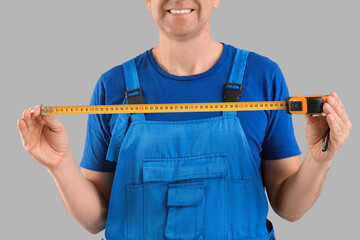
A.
x: 53, y: 52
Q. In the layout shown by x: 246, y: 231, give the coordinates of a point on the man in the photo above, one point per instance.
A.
x: 187, y: 176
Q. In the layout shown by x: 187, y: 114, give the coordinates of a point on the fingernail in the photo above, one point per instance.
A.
x: 32, y: 110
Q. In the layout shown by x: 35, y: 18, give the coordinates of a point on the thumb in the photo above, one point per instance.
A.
x: 299, y: 95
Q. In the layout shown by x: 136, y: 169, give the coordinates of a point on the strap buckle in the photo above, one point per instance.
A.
x: 232, y: 92
x: 134, y: 96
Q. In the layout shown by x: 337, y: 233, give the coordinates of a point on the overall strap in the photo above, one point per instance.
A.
x: 133, y: 92
x: 232, y: 90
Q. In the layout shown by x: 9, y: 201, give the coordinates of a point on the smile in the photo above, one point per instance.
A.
x: 182, y: 11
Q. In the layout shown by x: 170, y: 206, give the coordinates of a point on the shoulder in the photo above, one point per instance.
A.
x: 112, y: 81
x: 258, y: 64
x: 263, y: 70
x: 114, y: 73
x: 262, y: 64
x: 254, y: 59
x: 263, y: 79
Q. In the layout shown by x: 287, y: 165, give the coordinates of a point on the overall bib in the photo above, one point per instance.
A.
x: 187, y: 180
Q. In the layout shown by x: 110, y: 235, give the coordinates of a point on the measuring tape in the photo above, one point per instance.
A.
x: 164, y: 108
x: 311, y: 104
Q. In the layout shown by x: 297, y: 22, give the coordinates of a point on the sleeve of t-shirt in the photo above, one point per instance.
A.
x: 97, y: 135
x: 279, y: 141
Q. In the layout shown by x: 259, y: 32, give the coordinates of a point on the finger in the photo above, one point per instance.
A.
x: 334, y: 124
x: 24, y: 131
x: 312, y: 119
x: 30, y: 116
x: 318, y: 125
x: 27, y: 119
x: 37, y: 115
x: 345, y: 116
x: 340, y: 122
x: 337, y: 106
x: 333, y: 94
x: 336, y: 134
x: 35, y: 112
x: 342, y: 116
x: 53, y: 123
x: 298, y: 95
x: 40, y: 121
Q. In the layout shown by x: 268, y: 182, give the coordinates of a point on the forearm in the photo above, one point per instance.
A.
x: 80, y: 196
x: 300, y: 191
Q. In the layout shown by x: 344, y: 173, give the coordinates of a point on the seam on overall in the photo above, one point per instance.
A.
x: 189, y: 158
x: 183, y: 122
x: 225, y: 207
x: 127, y: 134
x: 145, y: 212
x: 198, y: 175
x: 127, y: 227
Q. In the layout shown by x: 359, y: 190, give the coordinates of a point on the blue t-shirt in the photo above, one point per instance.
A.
x: 270, y: 134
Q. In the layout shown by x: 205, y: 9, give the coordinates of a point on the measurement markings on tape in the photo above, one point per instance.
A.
x: 164, y: 108
x: 310, y: 104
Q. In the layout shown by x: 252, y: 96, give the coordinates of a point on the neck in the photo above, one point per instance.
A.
x: 187, y: 57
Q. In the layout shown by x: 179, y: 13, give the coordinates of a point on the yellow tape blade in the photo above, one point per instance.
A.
x: 164, y: 108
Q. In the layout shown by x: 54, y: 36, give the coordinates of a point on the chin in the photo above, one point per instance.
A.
x: 183, y: 34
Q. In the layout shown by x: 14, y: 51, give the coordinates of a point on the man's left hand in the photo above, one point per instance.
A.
x: 316, y: 126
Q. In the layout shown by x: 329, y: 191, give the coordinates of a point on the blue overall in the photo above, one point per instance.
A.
x: 192, y: 179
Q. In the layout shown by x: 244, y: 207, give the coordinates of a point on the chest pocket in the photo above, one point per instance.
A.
x: 185, y: 204
x: 183, y: 196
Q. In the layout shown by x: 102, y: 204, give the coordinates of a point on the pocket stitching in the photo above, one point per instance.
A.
x: 199, y: 187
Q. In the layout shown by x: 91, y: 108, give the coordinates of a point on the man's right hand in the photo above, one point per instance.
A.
x: 85, y: 196
x: 44, y: 137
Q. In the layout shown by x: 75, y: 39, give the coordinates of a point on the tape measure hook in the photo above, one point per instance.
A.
x: 45, y: 110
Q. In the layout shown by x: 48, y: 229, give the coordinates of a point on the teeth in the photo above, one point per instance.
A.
x: 183, y: 11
